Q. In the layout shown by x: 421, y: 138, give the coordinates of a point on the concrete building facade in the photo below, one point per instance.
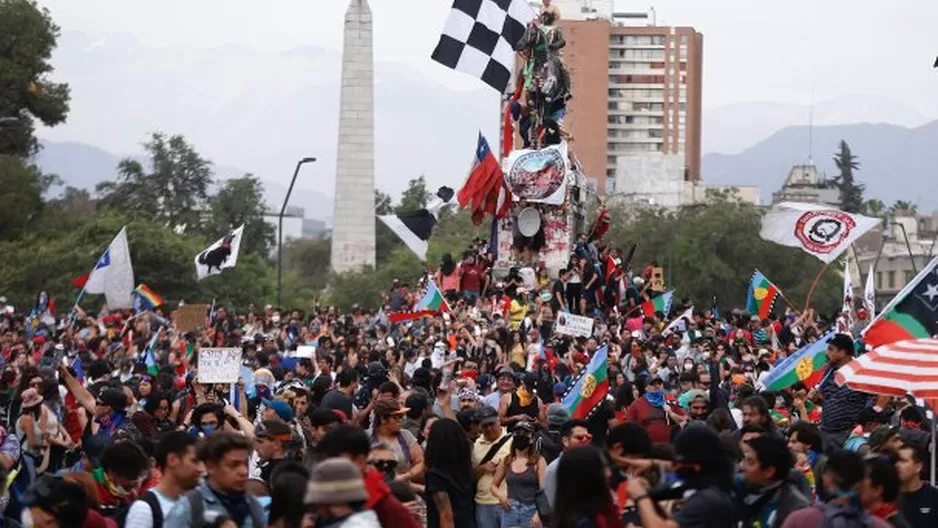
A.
x: 636, y: 93
x: 807, y: 183
x: 353, y: 235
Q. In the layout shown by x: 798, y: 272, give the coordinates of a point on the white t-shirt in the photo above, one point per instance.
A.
x: 140, y: 516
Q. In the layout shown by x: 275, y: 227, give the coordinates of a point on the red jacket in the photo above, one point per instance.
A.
x: 389, y: 510
x: 654, y: 420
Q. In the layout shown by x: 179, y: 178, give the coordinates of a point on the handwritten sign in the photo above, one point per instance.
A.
x: 219, y: 365
x: 573, y: 325
x: 190, y: 317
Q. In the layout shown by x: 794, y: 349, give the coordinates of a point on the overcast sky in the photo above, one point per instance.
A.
x: 786, y: 51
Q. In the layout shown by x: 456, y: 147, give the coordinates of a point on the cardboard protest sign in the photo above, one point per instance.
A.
x: 573, y: 325
x: 219, y: 365
x: 657, y: 280
x: 190, y: 317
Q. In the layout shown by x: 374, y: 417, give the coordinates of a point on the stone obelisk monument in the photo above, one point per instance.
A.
x: 353, y: 231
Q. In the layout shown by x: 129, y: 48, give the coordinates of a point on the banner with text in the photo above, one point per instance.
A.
x: 219, y: 365
x: 573, y: 325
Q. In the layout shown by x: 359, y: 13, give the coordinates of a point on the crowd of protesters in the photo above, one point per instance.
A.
x: 454, y: 420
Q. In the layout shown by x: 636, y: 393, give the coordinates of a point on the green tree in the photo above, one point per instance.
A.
x: 306, y: 269
x: 851, y: 192
x: 174, y: 192
x: 27, y: 38
x: 706, y: 258
x: 875, y: 207
x: 241, y: 201
x: 49, y: 257
x: 385, y: 239
x: 21, y: 199
x: 903, y: 208
x: 415, y: 196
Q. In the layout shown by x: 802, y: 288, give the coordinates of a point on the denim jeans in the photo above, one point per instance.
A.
x: 518, y: 514
x: 489, y: 515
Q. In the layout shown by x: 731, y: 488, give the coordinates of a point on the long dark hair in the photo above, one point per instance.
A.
x: 624, y: 396
x: 448, y: 450
x: 582, y: 490
x: 447, y: 266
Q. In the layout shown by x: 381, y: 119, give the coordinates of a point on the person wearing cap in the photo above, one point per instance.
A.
x: 885, y: 440
x: 698, y: 404
x: 523, y: 472
x: 353, y: 444
x: 388, y: 418
x: 488, y: 451
x: 336, y: 494
x: 504, y: 384
x: 550, y: 439
x: 652, y: 412
x: 109, y: 408
x: 523, y: 404
x: 30, y: 426
x: 271, y: 443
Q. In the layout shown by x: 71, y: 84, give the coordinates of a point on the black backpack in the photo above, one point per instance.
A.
x: 156, y: 511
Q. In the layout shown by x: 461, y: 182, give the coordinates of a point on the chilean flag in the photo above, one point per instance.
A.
x: 485, y: 190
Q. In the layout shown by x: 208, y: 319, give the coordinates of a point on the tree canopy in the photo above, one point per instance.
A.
x: 27, y: 37
x: 851, y: 192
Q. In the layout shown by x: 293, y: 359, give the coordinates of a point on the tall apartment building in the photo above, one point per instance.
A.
x: 636, y: 93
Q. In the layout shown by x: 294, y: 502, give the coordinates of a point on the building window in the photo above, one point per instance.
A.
x: 908, y: 277
x: 879, y: 280
x: 891, y: 279
x: 610, y: 160
x: 613, y: 105
x: 610, y: 186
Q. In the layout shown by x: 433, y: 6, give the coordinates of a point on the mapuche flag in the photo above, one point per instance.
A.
x: 661, y: 303
x: 912, y: 313
x: 591, y: 388
x: 806, y: 365
x: 762, y: 295
x: 432, y: 303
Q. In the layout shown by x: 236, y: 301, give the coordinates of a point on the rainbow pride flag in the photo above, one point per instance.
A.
x: 145, y: 298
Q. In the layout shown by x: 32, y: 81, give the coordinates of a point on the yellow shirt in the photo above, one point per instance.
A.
x: 479, y: 450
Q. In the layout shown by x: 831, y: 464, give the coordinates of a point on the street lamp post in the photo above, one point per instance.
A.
x: 908, y: 246
x: 283, y: 209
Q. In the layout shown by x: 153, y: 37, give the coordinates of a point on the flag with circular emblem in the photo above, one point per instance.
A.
x: 762, y: 295
x: 591, y: 388
x: 806, y: 365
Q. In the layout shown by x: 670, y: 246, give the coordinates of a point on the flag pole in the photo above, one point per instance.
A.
x: 807, y: 301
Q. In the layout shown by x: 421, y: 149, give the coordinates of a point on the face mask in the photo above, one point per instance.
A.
x: 655, y: 399
x: 521, y: 442
x: 208, y: 429
x: 688, y: 366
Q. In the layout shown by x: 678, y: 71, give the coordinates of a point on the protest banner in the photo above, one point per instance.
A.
x: 190, y: 317
x: 304, y: 351
x: 573, y: 325
x: 219, y: 365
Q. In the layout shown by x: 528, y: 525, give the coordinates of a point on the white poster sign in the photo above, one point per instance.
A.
x: 304, y: 351
x: 219, y: 365
x: 573, y: 325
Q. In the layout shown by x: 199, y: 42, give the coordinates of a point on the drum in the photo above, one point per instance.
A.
x: 529, y: 221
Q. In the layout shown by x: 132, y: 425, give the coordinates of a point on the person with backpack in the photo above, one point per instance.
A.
x: 489, y: 449
x: 388, y: 417
x: 221, y: 495
x: 176, y: 458
x: 841, y: 485
x: 123, y: 469
x: 549, y: 441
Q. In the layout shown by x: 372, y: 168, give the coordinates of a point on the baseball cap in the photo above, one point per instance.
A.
x: 881, y: 435
x: 487, y: 415
x: 276, y: 429
x: 557, y: 414
x: 282, y: 408
x: 113, y: 398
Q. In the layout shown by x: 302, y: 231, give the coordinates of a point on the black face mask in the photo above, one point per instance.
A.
x: 387, y: 467
x: 521, y: 442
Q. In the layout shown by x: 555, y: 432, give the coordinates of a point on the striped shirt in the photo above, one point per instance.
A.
x: 841, y: 405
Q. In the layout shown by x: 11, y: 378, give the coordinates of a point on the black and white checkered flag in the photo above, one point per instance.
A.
x: 479, y: 38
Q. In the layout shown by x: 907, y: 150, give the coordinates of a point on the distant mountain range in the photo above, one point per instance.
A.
x: 84, y: 166
x: 733, y: 128
x: 896, y: 163
x: 262, y: 111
